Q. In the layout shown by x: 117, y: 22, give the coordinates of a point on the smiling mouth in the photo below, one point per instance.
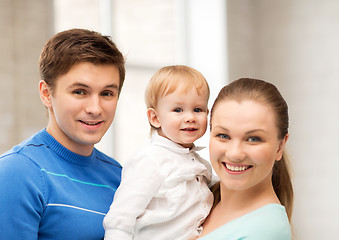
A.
x: 236, y: 168
x: 189, y: 129
x: 91, y: 123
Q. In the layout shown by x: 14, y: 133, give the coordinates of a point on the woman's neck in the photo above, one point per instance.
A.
x: 235, y: 203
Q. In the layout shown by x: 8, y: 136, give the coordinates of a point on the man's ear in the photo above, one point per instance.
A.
x: 153, y: 118
x: 45, y: 93
x: 281, y: 148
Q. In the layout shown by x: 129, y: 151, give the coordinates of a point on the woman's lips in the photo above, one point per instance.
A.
x: 236, y: 168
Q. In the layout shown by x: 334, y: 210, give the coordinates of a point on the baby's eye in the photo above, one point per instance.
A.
x: 254, y: 139
x: 198, y: 110
x: 177, y: 110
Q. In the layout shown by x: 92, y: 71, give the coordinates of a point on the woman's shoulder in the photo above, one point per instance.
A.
x: 269, y: 222
x: 272, y: 215
x: 269, y: 212
x: 265, y: 223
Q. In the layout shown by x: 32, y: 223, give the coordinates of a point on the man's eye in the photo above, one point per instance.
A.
x: 254, y: 139
x: 177, y: 110
x: 79, y: 92
x: 107, y: 93
x: 197, y: 110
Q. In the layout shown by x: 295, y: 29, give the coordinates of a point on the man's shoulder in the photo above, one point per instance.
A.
x: 25, y: 149
x: 21, y: 160
x: 106, y: 159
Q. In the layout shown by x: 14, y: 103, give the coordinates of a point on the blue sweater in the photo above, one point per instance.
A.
x: 49, y: 192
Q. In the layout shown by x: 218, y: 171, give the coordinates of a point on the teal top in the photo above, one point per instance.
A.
x: 269, y: 222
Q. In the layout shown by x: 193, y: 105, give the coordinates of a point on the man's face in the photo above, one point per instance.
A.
x: 82, y: 105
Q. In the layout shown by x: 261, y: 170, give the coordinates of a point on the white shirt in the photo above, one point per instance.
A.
x: 163, y: 194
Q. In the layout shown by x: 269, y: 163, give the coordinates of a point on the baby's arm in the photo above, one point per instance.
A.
x: 141, y: 179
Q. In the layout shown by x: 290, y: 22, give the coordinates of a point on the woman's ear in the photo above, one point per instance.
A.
x: 281, y: 148
x: 153, y: 118
x: 45, y: 93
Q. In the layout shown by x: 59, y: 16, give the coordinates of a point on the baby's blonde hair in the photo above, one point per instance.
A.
x: 167, y: 79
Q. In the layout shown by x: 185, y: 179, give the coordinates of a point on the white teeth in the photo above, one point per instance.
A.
x: 236, y: 168
x: 91, y: 123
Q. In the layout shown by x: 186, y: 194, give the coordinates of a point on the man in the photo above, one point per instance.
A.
x: 56, y: 185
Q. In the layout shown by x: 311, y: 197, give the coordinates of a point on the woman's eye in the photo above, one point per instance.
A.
x: 254, y: 139
x: 223, y: 136
x: 177, y: 110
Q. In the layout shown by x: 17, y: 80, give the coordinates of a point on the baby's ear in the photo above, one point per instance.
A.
x: 45, y: 93
x: 153, y: 118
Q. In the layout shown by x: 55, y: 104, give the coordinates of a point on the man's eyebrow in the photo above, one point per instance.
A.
x: 113, y: 86
x: 77, y: 84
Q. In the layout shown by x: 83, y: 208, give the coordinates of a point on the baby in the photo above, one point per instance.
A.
x: 164, y: 192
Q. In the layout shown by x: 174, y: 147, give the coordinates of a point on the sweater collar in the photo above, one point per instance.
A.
x: 64, y: 153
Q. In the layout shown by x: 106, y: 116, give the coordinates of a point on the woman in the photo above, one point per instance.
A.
x: 249, y: 130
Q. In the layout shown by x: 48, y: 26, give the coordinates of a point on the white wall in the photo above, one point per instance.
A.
x: 24, y: 28
x: 206, y: 44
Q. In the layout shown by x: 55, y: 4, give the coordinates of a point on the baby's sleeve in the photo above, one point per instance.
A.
x: 141, y: 179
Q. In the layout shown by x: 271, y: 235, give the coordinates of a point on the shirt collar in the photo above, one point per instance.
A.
x: 165, y: 142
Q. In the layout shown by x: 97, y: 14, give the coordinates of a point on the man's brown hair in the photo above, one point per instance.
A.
x: 70, y: 47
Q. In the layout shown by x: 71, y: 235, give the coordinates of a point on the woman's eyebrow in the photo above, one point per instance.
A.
x: 255, y: 130
x: 222, y: 128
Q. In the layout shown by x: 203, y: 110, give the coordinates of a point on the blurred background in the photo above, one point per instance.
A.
x: 291, y: 43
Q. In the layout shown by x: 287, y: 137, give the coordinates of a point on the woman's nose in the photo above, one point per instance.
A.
x: 235, y: 151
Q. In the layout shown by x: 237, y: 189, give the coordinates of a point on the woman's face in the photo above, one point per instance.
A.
x: 244, y: 144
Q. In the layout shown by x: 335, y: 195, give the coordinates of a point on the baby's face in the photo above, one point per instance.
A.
x: 182, y: 117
